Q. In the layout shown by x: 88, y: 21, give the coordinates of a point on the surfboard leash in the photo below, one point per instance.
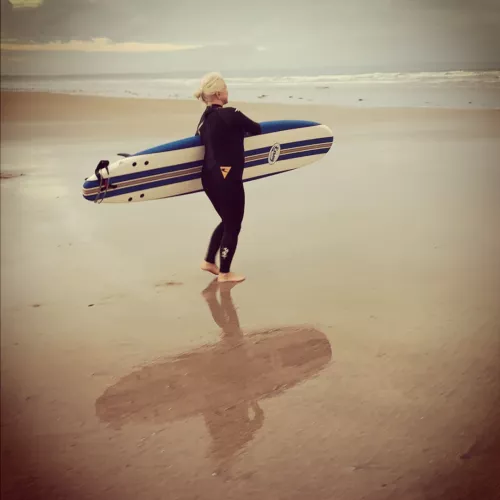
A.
x: 104, y: 184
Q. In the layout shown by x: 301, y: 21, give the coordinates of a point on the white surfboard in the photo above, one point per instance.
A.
x: 174, y: 169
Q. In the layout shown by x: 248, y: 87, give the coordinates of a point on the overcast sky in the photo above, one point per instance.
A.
x: 262, y: 36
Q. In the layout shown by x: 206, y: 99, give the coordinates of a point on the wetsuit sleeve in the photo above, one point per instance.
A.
x: 200, y: 123
x: 249, y: 126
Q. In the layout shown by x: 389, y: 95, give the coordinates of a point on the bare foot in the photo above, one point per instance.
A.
x: 211, y: 268
x: 230, y: 278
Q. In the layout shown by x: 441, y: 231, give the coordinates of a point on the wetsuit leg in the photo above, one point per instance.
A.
x: 228, y: 199
x: 233, y: 209
x: 215, y: 241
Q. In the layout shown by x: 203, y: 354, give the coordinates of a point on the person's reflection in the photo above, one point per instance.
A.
x: 232, y: 427
x: 222, y: 382
x: 223, y: 313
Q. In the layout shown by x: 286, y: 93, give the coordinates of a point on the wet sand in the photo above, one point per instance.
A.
x: 359, y: 359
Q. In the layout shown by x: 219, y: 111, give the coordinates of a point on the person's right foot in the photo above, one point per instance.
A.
x: 230, y: 278
x: 209, y: 267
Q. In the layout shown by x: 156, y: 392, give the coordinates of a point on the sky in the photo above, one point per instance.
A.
x: 248, y: 37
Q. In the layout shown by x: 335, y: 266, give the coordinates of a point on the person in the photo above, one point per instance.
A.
x: 222, y: 131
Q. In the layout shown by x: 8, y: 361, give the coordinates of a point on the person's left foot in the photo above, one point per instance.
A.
x: 230, y: 278
x: 209, y: 267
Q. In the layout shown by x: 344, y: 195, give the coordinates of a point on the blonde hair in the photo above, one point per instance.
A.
x: 210, y: 84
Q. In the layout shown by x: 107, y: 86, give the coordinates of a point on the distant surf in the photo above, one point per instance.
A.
x: 415, y: 89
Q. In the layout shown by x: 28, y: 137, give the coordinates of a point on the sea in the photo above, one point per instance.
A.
x: 442, y: 89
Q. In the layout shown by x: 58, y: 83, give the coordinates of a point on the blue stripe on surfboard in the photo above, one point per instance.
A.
x: 289, y: 156
x: 194, y: 141
x: 185, y: 178
x: 146, y: 173
x: 199, y: 163
x: 289, y: 145
x: 246, y: 180
x: 188, y: 178
x: 142, y: 187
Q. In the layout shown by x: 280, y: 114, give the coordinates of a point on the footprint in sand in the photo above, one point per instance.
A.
x: 9, y: 175
x: 165, y: 284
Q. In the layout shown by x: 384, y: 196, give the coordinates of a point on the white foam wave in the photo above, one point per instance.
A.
x: 457, y: 88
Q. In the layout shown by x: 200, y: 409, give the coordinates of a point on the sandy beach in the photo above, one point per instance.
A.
x: 360, y: 359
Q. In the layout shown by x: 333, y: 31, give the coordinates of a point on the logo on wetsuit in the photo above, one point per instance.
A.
x: 274, y: 154
x: 225, y: 171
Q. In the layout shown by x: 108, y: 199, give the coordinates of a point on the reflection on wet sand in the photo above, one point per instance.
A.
x: 222, y: 382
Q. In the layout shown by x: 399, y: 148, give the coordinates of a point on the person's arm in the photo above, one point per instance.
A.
x: 200, y: 123
x: 249, y: 126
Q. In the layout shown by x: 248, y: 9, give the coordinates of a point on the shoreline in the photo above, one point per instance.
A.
x: 358, y: 96
x: 39, y: 115
x: 24, y: 106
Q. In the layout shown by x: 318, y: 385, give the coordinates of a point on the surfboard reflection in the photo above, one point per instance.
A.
x: 223, y: 382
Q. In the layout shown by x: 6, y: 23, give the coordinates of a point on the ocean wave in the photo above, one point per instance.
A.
x: 425, y: 77
x: 450, y: 88
x: 389, y: 78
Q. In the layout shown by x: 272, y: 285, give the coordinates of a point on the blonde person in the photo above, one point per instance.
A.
x: 222, y: 131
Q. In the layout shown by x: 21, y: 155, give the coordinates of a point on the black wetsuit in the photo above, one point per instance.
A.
x: 222, y: 131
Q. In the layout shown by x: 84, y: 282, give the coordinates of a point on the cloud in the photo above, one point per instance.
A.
x: 26, y: 4
x: 96, y: 45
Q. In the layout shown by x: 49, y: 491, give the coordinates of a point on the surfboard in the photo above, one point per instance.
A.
x: 174, y: 168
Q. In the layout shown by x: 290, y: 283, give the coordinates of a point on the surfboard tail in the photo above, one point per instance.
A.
x: 103, y: 183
